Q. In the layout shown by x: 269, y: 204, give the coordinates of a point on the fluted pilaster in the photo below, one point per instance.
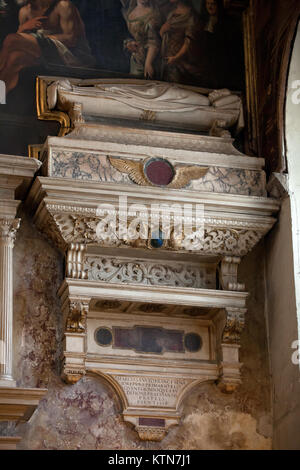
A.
x: 8, y: 230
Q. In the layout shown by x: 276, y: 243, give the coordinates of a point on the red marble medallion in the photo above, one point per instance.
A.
x: 159, y: 172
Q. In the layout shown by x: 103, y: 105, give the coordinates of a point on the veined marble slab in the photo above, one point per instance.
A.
x: 85, y: 165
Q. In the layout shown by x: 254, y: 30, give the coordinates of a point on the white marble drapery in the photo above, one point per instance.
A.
x: 165, y: 104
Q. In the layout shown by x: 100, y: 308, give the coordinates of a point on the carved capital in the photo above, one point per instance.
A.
x: 235, y: 322
x: 76, y: 321
x: 8, y: 230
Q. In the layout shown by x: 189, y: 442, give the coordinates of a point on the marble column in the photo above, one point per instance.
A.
x: 8, y: 230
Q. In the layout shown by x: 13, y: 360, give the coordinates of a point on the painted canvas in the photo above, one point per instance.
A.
x: 192, y: 42
x: 180, y: 41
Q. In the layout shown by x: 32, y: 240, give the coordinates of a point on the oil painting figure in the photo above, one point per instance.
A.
x: 180, y: 43
x: 143, y: 21
x: 49, y: 31
x: 191, y: 42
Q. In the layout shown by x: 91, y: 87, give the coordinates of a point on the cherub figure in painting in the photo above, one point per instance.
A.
x: 180, y: 43
x: 50, y: 31
x: 143, y: 23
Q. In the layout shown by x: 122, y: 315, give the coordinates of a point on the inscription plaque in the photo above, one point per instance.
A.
x: 152, y: 391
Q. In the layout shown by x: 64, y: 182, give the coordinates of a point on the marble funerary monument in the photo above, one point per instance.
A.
x: 153, y: 313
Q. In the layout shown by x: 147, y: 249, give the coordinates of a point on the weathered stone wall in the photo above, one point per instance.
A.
x: 87, y: 415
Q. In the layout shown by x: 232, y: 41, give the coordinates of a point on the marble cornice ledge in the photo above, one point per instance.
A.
x: 9, y: 443
x: 8, y: 208
x: 18, y: 165
x: 176, y: 147
x: 16, y: 174
x: 190, y: 297
x: 19, y: 404
x: 63, y: 191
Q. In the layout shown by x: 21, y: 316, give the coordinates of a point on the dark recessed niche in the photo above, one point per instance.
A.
x: 104, y: 337
x: 192, y: 342
x: 149, y: 339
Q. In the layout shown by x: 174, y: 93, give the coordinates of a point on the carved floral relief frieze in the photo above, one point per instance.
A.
x: 236, y: 240
x: 149, y: 273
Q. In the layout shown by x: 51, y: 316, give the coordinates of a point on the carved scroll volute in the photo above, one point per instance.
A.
x: 230, y: 375
x: 75, y: 340
x: 75, y: 261
x: 228, y: 274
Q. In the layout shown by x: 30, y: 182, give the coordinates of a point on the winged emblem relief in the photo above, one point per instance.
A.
x: 158, y: 172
